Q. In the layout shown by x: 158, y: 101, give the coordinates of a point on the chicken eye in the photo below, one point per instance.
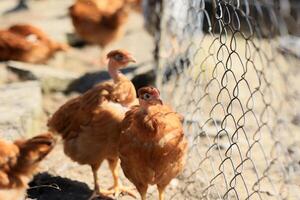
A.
x: 147, y: 96
x: 119, y: 57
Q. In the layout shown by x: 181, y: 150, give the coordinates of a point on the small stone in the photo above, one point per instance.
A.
x: 174, y: 183
x: 296, y: 119
x: 52, y: 79
x: 290, y: 45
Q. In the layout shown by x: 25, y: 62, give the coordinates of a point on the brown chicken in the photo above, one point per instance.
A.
x: 152, y: 143
x: 99, y: 21
x: 28, y: 44
x: 18, y: 163
x: 90, y: 125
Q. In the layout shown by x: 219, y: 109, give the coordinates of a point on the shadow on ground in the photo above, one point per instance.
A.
x: 90, y: 79
x: 47, y: 187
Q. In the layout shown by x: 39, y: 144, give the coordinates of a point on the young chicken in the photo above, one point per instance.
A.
x: 152, y: 143
x: 28, y: 44
x: 90, y: 125
x: 99, y: 21
x: 18, y: 162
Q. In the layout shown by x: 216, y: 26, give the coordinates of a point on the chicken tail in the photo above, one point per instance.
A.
x: 32, y: 151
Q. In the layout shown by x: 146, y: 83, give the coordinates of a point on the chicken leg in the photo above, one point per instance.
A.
x: 117, y: 188
x: 161, y: 192
x: 96, y: 192
x: 142, y: 190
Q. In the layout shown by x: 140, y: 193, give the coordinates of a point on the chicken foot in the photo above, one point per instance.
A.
x: 97, y: 192
x: 117, y: 188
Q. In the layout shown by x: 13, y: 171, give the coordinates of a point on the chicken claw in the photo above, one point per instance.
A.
x: 99, y: 195
x: 120, y: 189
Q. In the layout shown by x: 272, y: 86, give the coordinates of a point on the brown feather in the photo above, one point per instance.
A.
x: 18, y: 163
x: 78, y: 112
x: 90, y: 124
x: 15, y: 44
x: 152, y: 145
x: 99, y: 21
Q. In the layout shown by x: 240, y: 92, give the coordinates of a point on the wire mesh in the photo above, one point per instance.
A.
x: 219, y: 65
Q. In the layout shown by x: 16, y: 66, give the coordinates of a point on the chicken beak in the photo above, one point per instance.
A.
x: 157, y: 97
x: 131, y: 59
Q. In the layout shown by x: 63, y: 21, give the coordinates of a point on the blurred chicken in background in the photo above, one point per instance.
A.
x: 18, y: 163
x: 24, y: 42
x: 101, y: 22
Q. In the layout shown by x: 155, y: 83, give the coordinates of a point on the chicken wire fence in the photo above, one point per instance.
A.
x: 220, y: 65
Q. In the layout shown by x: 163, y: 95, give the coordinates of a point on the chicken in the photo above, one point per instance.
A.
x: 152, y: 144
x: 27, y: 43
x: 99, y: 21
x: 18, y: 163
x: 90, y: 125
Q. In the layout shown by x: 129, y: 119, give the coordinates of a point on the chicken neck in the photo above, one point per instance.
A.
x: 114, y: 72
